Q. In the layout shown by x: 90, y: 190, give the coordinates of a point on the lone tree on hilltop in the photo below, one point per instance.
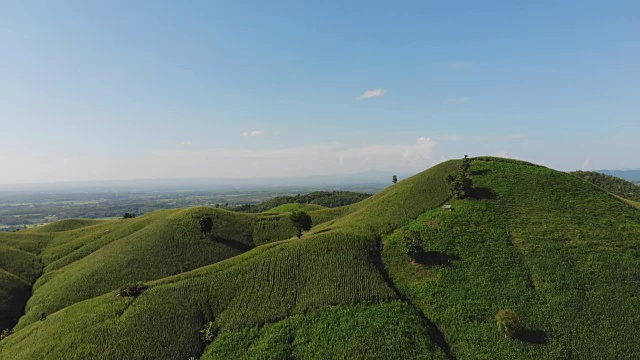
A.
x: 394, y: 179
x: 302, y: 221
x: 460, y: 184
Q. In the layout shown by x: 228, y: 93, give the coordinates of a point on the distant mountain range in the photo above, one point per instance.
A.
x: 369, y: 177
x: 627, y: 174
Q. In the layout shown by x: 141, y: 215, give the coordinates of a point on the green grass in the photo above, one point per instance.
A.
x: 612, y: 184
x: 295, y: 207
x: 559, y: 251
x: 339, y: 332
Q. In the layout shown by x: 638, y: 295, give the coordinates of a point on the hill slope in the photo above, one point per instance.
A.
x: 534, y: 239
x: 612, y: 184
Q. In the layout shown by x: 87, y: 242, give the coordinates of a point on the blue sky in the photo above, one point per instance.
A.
x: 140, y: 89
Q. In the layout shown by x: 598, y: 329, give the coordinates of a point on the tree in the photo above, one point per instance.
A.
x: 508, y: 323
x: 395, y: 179
x: 413, y: 248
x: 461, y: 185
x: 206, y: 225
x: 466, y: 164
x: 302, y: 221
x: 128, y: 215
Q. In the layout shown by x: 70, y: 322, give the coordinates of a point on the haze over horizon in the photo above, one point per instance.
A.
x: 121, y: 90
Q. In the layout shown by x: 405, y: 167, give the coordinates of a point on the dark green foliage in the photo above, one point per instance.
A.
x: 612, y: 184
x: 466, y: 165
x: 412, y: 243
x: 508, y: 323
x: 389, y: 330
x: 131, y: 290
x: 206, y: 225
x: 128, y: 215
x: 4, y: 334
x: 394, y: 179
x: 208, y: 332
x: 330, y: 199
x: 302, y: 221
x: 460, y: 184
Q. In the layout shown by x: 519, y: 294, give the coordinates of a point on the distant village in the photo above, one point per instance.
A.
x: 13, y: 228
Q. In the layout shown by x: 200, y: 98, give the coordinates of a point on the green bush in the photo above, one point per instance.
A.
x: 508, y: 323
x: 206, y: 225
x: 208, y: 332
x: 412, y: 241
x: 4, y: 334
x: 131, y: 290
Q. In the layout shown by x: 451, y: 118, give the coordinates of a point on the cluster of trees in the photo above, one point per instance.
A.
x: 461, y: 184
x: 128, y: 215
x: 612, y: 184
x: 329, y: 199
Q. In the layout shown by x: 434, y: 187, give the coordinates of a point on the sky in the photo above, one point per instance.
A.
x: 100, y: 90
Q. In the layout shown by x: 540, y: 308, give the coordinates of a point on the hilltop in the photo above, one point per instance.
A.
x: 559, y: 251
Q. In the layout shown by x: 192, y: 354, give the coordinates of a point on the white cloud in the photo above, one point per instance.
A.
x: 372, y: 93
x: 186, y: 143
x: 253, y: 133
x: 458, y: 100
x: 586, y: 165
x: 502, y: 154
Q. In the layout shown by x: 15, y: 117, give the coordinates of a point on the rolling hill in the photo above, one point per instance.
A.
x: 560, y: 252
x: 612, y: 184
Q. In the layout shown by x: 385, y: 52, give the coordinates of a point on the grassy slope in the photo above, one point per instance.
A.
x: 19, y: 268
x: 336, y: 263
x: 612, y: 184
x: 86, y: 262
x: 561, y: 253
x: 295, y: 207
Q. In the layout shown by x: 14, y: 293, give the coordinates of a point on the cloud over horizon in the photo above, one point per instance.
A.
x: 188, y: 162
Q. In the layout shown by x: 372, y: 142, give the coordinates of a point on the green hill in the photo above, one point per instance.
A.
x: 560, y: 252
x: 295, y: 207
x: 612, y: 184
x: 330, y: 199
